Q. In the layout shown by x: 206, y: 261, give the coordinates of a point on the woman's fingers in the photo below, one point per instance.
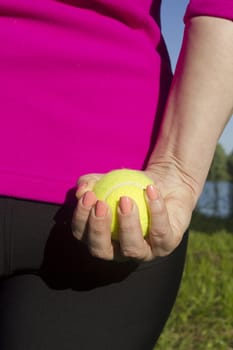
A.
x: 86, y: 183
x: 99, y: 232
x: 161, y: 237
x: 132, y: 243
x: 81, y: 214
x: 86, y: 200
x: 92, y: 223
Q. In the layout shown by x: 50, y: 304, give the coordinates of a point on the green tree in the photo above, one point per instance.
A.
x: 219, y: 166
x: 230, y: 165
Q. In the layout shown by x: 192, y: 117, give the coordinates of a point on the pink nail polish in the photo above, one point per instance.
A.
x: 152, y: 192
x: 89, y: 199
x: 81, y: 186
x: 100, y: 209
x: 125, y: 205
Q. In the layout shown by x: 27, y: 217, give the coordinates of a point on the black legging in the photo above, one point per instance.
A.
x: 55, y: 296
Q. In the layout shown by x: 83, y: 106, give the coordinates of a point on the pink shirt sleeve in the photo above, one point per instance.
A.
x: 214, y: 8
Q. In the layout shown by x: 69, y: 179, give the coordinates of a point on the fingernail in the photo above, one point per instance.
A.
x: 100, y: 209
x: 89, y: 199
x: 125, y: 205
x: 81, y: 186
x: 152, y: 192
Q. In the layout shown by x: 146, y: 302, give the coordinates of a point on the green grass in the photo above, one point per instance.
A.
x: 202, y: 317
x: 205, y: 224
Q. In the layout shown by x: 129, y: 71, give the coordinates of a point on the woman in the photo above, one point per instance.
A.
x: 86, y: 87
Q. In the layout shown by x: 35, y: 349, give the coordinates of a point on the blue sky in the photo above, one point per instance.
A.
x: 172, y: 27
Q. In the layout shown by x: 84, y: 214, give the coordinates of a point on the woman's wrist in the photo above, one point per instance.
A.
x: 169, y: 173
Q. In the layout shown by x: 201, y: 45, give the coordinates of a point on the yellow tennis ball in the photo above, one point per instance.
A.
x: 124, y: 182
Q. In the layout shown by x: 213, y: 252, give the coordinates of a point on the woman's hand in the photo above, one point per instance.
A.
x: 170, y: 203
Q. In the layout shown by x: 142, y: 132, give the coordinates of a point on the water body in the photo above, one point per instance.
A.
x: 216, y: 199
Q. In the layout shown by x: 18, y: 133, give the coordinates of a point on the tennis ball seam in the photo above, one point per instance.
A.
x: 123, y: 184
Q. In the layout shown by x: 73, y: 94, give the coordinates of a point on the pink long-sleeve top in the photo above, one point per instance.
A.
x: 81, y: 86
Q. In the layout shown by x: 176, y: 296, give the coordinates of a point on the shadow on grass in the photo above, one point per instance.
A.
x: 211, y: 224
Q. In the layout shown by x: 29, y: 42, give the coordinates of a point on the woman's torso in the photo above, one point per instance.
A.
x: 79, y: 91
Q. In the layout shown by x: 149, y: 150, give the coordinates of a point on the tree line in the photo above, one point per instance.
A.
x: 222, y: 166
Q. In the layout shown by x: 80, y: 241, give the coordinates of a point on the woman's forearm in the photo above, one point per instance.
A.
x: 200, y: 102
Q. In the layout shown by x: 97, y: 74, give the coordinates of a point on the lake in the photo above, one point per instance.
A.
x: 216, y: 199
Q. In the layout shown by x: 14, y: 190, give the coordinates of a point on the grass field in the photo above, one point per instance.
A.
x: 202, y: 317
